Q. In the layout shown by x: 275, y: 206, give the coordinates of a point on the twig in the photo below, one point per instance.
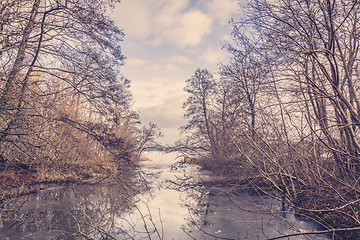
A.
x: 316, y: 232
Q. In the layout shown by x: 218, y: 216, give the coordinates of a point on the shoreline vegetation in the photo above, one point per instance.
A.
x: 284, y: 113
x: 15, y: 181
x: 320, y: 206
x: 65, y: 106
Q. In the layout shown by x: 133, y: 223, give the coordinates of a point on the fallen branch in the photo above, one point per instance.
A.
x: 316, y: 232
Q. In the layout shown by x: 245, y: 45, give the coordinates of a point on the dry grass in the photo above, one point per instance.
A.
x: 16, y: 181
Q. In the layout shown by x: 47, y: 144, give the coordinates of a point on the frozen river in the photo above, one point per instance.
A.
x: 167, y: 203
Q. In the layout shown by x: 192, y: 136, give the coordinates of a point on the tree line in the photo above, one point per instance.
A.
x: 285, y: 111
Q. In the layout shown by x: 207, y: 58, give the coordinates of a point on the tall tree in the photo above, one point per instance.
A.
x: 246, y: 74
x: 201, y: 88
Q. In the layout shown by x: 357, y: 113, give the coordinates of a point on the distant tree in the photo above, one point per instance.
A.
x: 201, y: 88
x: 147, y: 139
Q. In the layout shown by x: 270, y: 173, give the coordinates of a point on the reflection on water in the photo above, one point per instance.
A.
x: 166, y: 203
x: 72, y: 212
x: 244, y: 216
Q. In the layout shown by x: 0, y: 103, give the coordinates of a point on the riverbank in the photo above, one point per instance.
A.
x: 16, y: 180
x: 333, y: 203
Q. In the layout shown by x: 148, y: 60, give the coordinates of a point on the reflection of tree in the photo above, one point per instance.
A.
x: 194, y: 198
x: 78, y: 212
x: 220, y: 209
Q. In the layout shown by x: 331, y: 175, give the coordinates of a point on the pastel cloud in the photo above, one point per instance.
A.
x: 222, y: 9
x: 178, y: 59
x: 166, y: 115
x: 136, y: 62
x: 133, y: 15
x: 166, y: 68
x: 188, y: 29
x: 155, y: 81
x: 213, y: 56
x: 163, y: 21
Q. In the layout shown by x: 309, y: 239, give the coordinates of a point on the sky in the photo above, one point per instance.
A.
x: 165, y: 42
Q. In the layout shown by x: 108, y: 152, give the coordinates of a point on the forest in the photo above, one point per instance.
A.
x: 283, y: 118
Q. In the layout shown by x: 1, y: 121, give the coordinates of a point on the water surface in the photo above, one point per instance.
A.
x: 168, y: 203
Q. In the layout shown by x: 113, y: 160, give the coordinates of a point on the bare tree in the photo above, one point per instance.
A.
x: 201, y: 87
x: 148, y: 136
x: 59, y: 78
x: 312, y: 142
x: 318, y: 43
x: 293, y: 78
x: 246, y: 73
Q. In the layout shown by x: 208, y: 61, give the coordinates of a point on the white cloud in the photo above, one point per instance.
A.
x: 188, y: 29
x: 163, y: 21
x: 166, y: 13
x: 132, y: 16
x: 153, y: 90
x: 166, y: 115
x: 167, y: 68
x: 226, y: 38
x: 136, y: 62
x: 213, y: 56
x: 163, y: 69
x: 178, y: 59
x: 222, y: 9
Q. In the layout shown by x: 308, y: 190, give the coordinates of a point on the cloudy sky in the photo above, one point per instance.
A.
x: 165, y: 42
